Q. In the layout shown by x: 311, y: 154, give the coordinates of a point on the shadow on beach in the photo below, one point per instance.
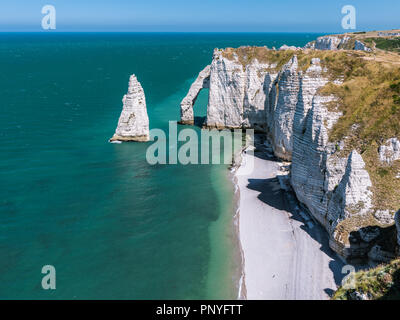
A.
x: 271, y: 194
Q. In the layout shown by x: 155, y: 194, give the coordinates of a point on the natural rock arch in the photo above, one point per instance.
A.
x: 202, y: 82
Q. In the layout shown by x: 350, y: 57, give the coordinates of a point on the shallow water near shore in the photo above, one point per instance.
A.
x: 113, y: 226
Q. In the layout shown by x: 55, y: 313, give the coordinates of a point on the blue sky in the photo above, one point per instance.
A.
x: 199, y: 15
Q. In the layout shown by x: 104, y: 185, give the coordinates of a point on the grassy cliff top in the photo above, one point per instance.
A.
x: 382, y: 282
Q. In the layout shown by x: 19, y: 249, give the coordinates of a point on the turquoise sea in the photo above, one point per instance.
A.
x: 113, y: 226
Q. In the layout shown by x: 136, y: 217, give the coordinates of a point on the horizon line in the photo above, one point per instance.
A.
x: 129, y: 31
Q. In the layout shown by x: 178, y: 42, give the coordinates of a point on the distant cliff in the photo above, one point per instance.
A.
x: 335, y: 115
x: 365, y: 41
x: 338, y: 42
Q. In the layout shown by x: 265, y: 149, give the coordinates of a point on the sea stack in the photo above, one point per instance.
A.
x: 133, y: 124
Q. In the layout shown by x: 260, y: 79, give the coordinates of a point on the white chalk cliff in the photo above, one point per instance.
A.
x: 285, y: 103
x: 327, y: 43
x: 133, y: 123
x: 237, y: 95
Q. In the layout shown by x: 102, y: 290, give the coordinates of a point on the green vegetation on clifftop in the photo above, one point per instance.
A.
x: 382, y: 282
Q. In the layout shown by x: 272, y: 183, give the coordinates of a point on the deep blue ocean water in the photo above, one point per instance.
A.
x: 113, y: 226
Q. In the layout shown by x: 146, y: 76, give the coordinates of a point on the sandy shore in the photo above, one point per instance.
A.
x: 284, y: 255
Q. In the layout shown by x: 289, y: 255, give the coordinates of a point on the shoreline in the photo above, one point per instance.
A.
x: 284, y: 254
x: 242, y: 293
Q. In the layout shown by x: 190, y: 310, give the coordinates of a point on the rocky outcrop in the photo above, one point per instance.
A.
x: 285, y: 47
x: 353, y: 194
x: 361, y: 46
x: 328, y: 43
x: 202, y: 82
x: 337, y: 43
x: 133, y: 123
x: 285, y: 108
x: 397, y: 220
x: 385, y: 217
x: 350, y: 203
x: 390, y: 151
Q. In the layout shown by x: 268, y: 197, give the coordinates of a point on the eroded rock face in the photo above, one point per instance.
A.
x: 361, y: 46
x: 202, y: 82
x: 285, y: 108
x: 238, y: 94
x: 226, y: 96
x: 351, y: 198
x: 328, y: 43
x: 258, y: 83
x: 297, y: 94
x: 384, y: 217
x: 331, y: 187
x: 133, y: 123
x: 337, y: 43
x: 397, y: 220
x: 355, y: 295
x: 334, y: 188
x: 378, y: 255
x: 354, y: 188
x: 390, y: 151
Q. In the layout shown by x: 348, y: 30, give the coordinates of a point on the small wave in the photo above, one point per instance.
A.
x: 240, y: 287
